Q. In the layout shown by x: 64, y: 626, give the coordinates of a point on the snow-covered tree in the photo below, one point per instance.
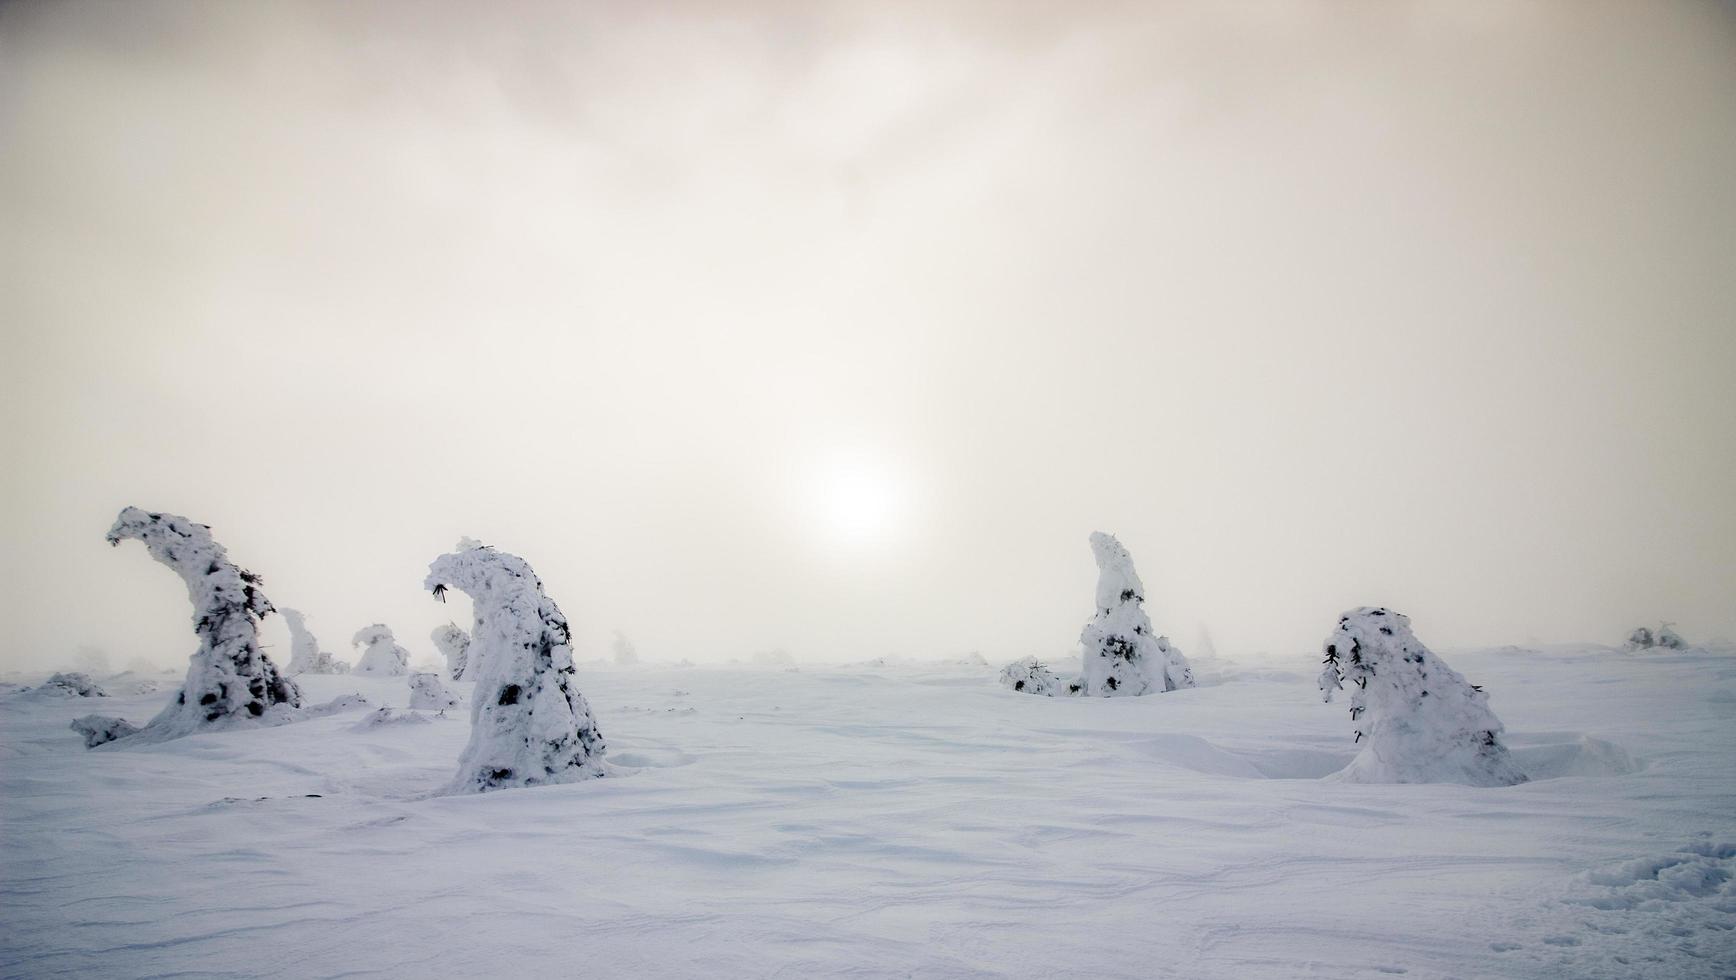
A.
x: 529, y: 723
x: 102, y: 729
x: 1646, y: 638
x: 230, y: 680
x: 428, y: 694
x: 626, y: 654
x: 1123, y: 657
x: 453, y: 644
x: 72, y: 684
x: 305, y: 656
x: 1032, y: 676
x: 1668, y: 638
x: 1417, y: 720
x: 381, y: 654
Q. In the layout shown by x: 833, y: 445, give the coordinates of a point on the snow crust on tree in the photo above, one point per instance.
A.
x: 230, y: 680
x: 305, y: 656
x: 1032, y: 676
x: 1417, y: 719
x: 453, y: 644
x: 626, y: 654
x: 530, y: 725
x: 72, y: 684
x: 381, y: 654
x: 1122, y: 655
x: 101, y: 729
x: 428, y: 694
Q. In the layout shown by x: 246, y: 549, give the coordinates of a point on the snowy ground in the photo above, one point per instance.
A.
x: 896, y: 820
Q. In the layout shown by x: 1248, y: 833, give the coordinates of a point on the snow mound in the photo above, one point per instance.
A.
x: 428, y: 694
x: 387, y: 717
x: 230, y: 681
x: 1417, y: 719
x: 1580, y: 756
x: 305, y: 656
x: 381, y: 654
x: 1032, y: 676
x: 529, y: 725
x: 1122, y: 656
x: 100, y: 729
x: 1705, y: 870
x: 71, y: 684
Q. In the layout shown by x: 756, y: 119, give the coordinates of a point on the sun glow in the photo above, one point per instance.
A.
x: 857, y: 499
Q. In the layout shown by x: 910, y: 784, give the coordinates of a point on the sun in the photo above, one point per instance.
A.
x: 857, y: 498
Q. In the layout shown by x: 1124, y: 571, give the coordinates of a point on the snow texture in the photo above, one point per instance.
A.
x: 428, y: 694
x: 72, y: 684
x: 305, y: 656
x: 230, y: 680
x: 1031, y: 676
x: 529, y: 724
x: 453, y: 644
x: 1416, y: 719
x: 98, y: 729
x: 1122, y: 657
x: 381, y: 656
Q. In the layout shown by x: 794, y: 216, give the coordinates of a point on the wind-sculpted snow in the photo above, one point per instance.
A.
x: 381, y: 654
x: 453, y: 644
x: 529, y: 724
x: 1416, y: 719
x: 1032, y: 676
x: 230, y: 680
x: 1122, y: 656
x: 305, y: 656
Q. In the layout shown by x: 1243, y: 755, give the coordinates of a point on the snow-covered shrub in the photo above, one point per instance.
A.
x: 72, y: 684
x: 428, y: 694
x: 528, y: 724
x: 100, y: 729
x: 381, y: 655
x: 774, y: 658
x: 1646, y: 638
x: 1122, y: 657
x: 305, y: 656
x: 230, y: 680
x: 1416, y: 719
x: 453, y: 644
x: 626, y: 654
x: 1031, y: 676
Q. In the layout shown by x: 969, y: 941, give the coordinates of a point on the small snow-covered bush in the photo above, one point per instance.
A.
x: 529, y: 725
x: 453, y: 644
x: 72, y: 684
x: 1122, y: 656
x: 100, y: 729
x: 1646, y: 638
x: 1669, y: 639
x: 428, y: 694
x: 1417, y: 720
x: 230, y: 680
x: 381, y: 655
x: 1031, y: 676
x: 305, y: 656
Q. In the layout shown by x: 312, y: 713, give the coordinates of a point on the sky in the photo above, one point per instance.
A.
x: 836, y: 328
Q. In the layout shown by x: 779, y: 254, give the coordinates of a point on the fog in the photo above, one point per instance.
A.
x: 837, y: 328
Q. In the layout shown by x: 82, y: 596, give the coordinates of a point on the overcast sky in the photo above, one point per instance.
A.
x: 839, y: 327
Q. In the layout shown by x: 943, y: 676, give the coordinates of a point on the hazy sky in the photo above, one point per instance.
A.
x: 839, y: 327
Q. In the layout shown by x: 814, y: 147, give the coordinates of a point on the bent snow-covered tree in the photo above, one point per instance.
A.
x: 381, y: 654
x: 230, y: 680
x: 1122, y: 655
x: 305, y: 656
x: 529, y: 725
x: 1417, y: 720
x: 453, y: 644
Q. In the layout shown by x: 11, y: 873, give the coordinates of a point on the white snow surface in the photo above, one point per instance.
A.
x: 381, y: 654
x: 1122, y: 655
x: 894, y: 820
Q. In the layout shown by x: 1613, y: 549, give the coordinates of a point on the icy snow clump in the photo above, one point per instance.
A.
x: 529, y: 725
x: 1416, y: 719
x: 1122, y: 657
x: 382, y: 656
